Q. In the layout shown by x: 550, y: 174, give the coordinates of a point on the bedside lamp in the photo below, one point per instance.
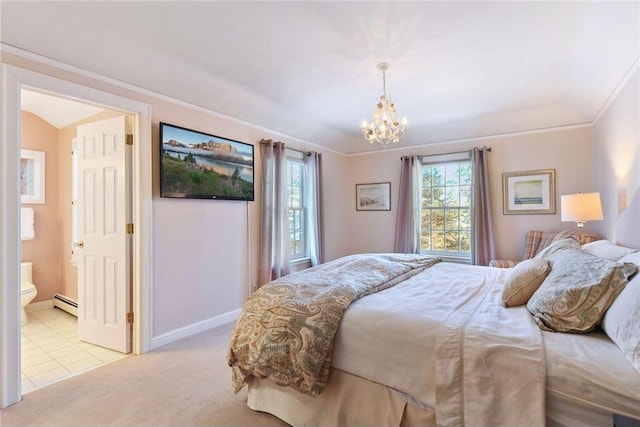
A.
x: 580, y: 208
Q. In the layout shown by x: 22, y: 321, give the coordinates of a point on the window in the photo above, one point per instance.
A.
x: 295, y: 196
x: 445, y: 227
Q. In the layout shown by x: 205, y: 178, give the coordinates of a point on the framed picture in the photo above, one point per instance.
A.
x: 530, y: 192
x: 373, y: 197
x: 32, y: 173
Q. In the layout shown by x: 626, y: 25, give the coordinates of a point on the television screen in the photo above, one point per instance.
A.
x: 196, y: 165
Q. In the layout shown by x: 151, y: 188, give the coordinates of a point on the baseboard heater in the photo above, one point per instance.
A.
x: 65, y: 303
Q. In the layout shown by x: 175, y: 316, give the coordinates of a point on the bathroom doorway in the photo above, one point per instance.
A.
x: 13, y: 80
x: 52, y: 346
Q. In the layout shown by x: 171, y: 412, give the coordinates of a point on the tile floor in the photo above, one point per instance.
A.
x: 51, y: 350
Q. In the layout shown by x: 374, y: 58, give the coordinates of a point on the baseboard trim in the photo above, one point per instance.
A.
x: 194, y: 329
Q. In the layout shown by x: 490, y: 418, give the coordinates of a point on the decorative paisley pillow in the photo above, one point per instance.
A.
x: 558, y: 245
x: 577, y: 291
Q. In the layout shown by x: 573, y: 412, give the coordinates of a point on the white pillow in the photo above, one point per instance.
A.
x: 621, y: 322
x: 632, y: 258
x: 607, y: 250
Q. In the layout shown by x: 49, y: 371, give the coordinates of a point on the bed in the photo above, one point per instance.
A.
x: 437, y: 347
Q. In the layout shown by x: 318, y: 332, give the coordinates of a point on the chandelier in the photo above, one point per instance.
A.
x: 385, y: 127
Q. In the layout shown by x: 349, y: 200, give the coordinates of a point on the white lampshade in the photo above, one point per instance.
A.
x: 581, y: 207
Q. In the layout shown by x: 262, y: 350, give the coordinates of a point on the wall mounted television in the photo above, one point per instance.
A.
x: 197, y: 165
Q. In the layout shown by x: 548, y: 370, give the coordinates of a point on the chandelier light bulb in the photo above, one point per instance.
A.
x: 384, y: 128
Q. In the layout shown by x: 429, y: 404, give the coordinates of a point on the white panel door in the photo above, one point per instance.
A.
x: 103, y: 246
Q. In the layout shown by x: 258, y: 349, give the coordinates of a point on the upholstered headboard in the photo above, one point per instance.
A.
x: 628, y: 224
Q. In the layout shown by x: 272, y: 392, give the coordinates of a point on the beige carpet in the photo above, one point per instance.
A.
x: 186, y: 383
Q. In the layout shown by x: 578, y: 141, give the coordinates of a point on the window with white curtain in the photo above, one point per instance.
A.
x: 296, y: 201
x: 445, y: 227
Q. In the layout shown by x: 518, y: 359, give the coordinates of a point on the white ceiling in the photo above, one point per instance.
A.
x: 59, y: 112
x: 308, y: 69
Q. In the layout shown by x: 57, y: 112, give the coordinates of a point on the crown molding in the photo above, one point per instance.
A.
x: 616, y: 91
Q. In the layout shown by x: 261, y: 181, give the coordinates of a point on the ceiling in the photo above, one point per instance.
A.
x: 59, y: 112
x: 308, y: 69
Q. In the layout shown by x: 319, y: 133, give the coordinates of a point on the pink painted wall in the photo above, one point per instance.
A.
x: 43, y: 250
x: 567, y: 151
x: 616, y: 154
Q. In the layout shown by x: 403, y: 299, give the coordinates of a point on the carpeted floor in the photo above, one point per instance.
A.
x: 186, y: 383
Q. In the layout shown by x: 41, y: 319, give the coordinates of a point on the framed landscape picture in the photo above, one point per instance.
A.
x: 530, y: 192
x: 373, y: 197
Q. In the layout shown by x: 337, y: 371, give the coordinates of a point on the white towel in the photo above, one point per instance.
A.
x: 26, y: 224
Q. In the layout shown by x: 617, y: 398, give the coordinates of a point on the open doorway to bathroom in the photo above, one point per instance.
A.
x: 51, y: 348
x: 14, y: 78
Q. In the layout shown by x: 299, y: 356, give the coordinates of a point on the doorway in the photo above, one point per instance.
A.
x: 61, y: 130
x: 14, y: 79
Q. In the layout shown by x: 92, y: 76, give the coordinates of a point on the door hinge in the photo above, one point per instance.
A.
x: 130, y: 228
x: 129, y: 317
x: 129, y: 139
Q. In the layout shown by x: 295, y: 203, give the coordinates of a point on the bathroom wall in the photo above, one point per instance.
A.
x: 44, y: 250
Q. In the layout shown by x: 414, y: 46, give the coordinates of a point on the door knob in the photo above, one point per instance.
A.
x: 78, y: 245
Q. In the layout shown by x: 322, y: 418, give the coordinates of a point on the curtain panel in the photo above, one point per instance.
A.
x: 482, y: 243
x: 314, y: 206
x: 407, y: 237
x: 275, y: 248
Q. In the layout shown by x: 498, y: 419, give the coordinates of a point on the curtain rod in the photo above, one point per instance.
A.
x: 447, y: 154
x: 306, y: 153
x: 269, y: 141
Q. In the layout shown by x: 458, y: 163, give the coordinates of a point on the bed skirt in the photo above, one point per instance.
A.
x: 347, y: 400
x: 350, y: 400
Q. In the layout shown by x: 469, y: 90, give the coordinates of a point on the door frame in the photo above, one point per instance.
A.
x: 13, y: 79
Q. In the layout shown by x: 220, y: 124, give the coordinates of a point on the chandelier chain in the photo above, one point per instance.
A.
x: 384, y: 82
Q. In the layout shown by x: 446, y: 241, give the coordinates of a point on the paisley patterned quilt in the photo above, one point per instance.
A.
x: 286, y: 329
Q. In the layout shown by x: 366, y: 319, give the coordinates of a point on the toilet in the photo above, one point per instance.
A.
x: 28, y: 290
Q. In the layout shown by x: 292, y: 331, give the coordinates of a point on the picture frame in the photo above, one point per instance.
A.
x: 373, y: 197
x: 32, y: 177
x: 529, y: 192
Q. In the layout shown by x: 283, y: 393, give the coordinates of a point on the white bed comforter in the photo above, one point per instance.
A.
x: 443, y: 338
